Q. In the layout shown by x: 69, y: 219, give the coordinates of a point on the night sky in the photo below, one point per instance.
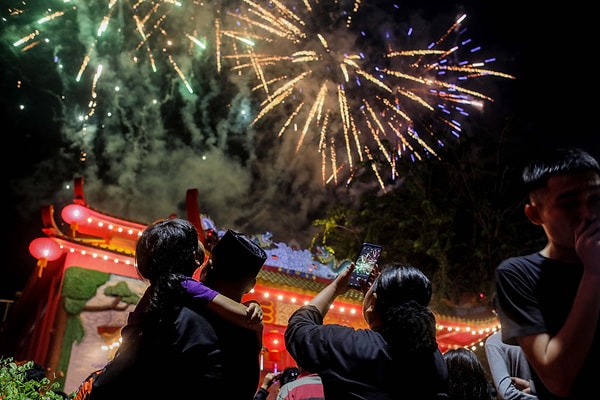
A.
x: 140, y: 166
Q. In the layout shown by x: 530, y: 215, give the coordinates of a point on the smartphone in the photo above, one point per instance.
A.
x: 365, y: 261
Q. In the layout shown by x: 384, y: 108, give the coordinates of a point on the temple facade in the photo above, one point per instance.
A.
x: 70, y: 313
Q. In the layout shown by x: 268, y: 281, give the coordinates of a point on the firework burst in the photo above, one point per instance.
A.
x: 91, y: 40
x: 348, y: 78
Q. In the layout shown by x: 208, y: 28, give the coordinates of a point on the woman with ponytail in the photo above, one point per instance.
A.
x: 396, y: 358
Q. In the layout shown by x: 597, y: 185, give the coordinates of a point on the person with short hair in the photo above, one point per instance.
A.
x: 284, y: 377
x: 549, y: 301
x: 289, y: 374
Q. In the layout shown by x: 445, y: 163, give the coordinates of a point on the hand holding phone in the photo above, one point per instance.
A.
x: 365, y: 262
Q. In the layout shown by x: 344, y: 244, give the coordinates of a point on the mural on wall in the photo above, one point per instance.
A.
x: 97, y: 306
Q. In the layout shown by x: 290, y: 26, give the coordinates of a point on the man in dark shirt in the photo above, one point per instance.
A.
x: 549, y: 301
x: 231, y: 352
x: 201, y: 350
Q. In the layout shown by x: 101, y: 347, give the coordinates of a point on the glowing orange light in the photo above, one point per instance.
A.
x: 44, y: 249
x: 273, y: 340
x: 74, y: 213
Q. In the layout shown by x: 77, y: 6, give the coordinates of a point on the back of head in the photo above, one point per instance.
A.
x: 289, y: 374
x: 401, y: 283
x: 233, y: 258
x: 467, y: 379
x: 557, y: 162
x: 168, y: 246
x: 167, y: 252
x: 403, y: 295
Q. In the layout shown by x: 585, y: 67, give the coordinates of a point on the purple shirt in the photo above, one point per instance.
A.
x: 198, y: 291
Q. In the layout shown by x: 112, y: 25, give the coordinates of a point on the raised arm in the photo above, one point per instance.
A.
x: 324, y: 299
x: 246, y: 315
x: 549, y: 355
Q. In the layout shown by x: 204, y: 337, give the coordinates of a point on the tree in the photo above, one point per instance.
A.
x: 456, y: 217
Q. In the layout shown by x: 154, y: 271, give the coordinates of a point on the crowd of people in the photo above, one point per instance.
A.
x: 186, y: 336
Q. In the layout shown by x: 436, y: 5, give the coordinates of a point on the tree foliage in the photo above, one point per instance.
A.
x: 16, y: 384
x: 455, y: 216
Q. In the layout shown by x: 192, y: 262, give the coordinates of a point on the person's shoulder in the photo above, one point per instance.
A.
x: 307, y: 386
x: 198, y: 291
x: 201, y: 319
x: 195, y: 320
x: 521, y: 263
x: 201, y: 315
x: 306, y: 313
x: 201, y: 327
x: 494, y: 338
x: 531, y: 257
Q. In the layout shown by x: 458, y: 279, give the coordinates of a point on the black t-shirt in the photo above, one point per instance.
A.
x: 224, y: 355
x: 207, y: 355
x: 535, y: 295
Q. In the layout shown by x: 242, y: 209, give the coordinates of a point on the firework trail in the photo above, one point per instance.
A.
x: 144, y: 103
x: 161, y: 36
x: 136, y: 106
x: 348, y: 78
x: 155, y: 31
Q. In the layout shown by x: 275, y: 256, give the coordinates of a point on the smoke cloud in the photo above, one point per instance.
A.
x: 146, y: 106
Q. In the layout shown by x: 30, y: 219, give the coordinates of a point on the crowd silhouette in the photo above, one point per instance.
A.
x: 202, y: 335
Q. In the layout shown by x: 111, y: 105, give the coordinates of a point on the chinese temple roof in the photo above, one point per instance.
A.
x: 290, y: 273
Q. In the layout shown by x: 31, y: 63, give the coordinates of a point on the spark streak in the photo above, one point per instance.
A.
x: 387, y: 101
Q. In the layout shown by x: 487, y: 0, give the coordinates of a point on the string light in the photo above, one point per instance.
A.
x: 120, y: 249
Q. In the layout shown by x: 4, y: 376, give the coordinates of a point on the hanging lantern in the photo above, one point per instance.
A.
x: 44, y: 249
x: 274, y: 342
x: 74, y: 213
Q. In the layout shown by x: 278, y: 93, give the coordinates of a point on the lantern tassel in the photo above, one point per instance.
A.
x: 41, y: 263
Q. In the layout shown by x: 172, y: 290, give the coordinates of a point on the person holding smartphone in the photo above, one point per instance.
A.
x: 365, y: 262
x: 268, y: 381
x: 396, y: 358
x: 287, y: 375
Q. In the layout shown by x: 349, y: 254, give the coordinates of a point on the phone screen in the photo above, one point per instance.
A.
x: 365, y: 261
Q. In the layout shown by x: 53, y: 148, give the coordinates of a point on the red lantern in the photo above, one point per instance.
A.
x: 74, y: 213
x: 44, y: 249
x: 274, y: 342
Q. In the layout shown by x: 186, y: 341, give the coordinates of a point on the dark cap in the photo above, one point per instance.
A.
x: 236, y: 256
